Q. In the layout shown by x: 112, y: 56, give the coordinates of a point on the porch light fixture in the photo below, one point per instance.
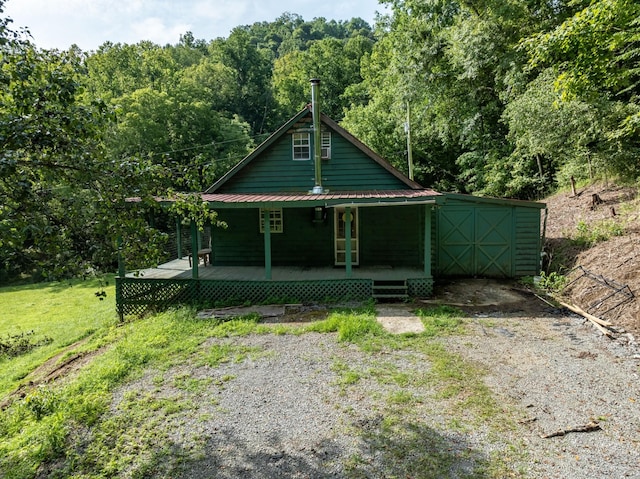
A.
x: 319, y: 214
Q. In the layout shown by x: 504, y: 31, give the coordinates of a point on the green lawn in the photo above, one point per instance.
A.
x: 58, y: 313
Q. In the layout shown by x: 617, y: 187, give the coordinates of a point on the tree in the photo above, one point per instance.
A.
x: 594, y: 54
x: 335, y: 62
x: 50, y: 151
x: 252, y: 76
x: 455, y: 66
x: 63, y: 191
x: 179, y: 132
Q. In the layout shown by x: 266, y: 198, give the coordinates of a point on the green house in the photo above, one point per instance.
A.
x: 313, y: 213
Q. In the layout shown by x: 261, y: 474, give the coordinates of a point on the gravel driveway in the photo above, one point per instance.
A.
x: 307, y: 406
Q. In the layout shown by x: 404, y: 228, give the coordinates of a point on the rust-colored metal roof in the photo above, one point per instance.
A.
x: 327, y: 196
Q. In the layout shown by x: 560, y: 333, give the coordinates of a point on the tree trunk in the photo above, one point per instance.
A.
x: 539, y: 161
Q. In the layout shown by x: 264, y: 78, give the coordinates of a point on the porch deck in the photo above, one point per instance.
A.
x: 180, y: 269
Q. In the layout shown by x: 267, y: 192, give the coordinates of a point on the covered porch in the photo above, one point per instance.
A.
x: 299, y: 255
x: 181, y: 269
x: 172, y: 284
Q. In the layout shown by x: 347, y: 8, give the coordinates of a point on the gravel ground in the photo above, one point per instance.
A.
x: 562, y: 374
x: 289, y: 410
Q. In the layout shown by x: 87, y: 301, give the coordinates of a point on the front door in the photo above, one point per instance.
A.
x: 340, y: 239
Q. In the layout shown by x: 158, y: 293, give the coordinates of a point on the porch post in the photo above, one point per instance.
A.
x: 427, y: 241
x: 267, y: 242
x: 179, y: 237
x: 347, y: 241
x: 194, y: 250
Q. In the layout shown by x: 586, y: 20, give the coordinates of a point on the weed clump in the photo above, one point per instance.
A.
x: 590, y: 234
x: 13, y: 345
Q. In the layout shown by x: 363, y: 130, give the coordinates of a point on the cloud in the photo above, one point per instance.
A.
x: 220, y: 11
x: 155, y: 30
x: 90, y: 23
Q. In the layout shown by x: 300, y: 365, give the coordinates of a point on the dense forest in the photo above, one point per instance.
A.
x: 502, y: 98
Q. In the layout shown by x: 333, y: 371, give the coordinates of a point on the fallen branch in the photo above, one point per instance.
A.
x: 599, y: 323
x: 592, y: 426
x: 528, y: 420
x: 544, y: 300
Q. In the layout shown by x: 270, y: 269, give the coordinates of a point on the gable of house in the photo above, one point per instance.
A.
x: 284, y: 163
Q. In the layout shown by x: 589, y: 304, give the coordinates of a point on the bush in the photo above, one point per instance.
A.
x: 588, y: 235
x: 14, y: 345
x: 552, y: 282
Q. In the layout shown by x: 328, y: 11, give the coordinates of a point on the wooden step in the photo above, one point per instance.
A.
x: 390, y: 289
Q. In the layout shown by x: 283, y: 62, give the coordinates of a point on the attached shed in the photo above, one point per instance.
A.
x: 487, y: 237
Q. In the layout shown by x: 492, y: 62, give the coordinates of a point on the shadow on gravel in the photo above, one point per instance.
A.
x: 393, y: 448
x: 376, y: 448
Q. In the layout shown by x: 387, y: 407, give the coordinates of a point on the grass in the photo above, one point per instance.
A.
x: 355, y: 325
x: 441, y: 320
x: 587, y: 235
x: 38, y: 427
x: 64, y: 312
x: 75, y: 428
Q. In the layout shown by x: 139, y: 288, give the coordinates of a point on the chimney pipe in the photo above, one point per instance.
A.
x: 317, y: 136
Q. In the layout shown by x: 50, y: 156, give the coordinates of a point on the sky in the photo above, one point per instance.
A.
x: 89, y: 23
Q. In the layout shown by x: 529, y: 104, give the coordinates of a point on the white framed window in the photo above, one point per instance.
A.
x: 276, y: 224
x: 325, y: 144
x: 301, y: 146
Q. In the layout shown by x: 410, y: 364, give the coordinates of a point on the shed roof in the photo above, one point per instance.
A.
x: 451, y: 198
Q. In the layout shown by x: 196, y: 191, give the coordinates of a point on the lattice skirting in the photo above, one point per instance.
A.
x: 420, y: 287
x: 136, y: 296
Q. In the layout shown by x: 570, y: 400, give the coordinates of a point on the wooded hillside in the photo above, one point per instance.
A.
x: 503, y: 99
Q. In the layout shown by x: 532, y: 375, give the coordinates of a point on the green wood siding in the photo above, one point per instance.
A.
x: 350, y: 169
x: 303, y: 241
x: 241, y: 243
x: 455, y: 241
x: 487, y: 238
x: 391, y: 236
x: 476, y: 240
x: 494, y: 242
x: 276, y: 171
x: 527, y: 247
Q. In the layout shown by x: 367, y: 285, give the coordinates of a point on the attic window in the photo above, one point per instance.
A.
x: 301, y: 146
x: 276, y: 224
x: 326, y: 145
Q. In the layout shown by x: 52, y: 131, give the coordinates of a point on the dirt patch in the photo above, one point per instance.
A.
x: 493, y: 298
x: 264, y: 311
x: 291, y: 314
x: 616, y: 259
x: 475, y: 292
x: 59, y: 366
x: 399, y: 318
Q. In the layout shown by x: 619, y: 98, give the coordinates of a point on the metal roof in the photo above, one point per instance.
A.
x: 328, y: 198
